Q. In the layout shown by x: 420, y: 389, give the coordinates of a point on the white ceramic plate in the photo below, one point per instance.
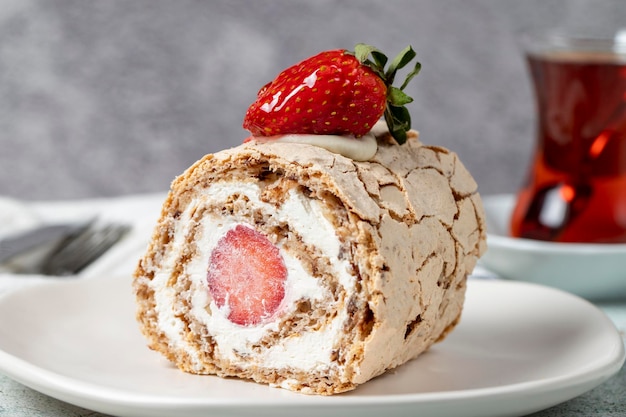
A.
x: 519, y: 348
x: 594, y: 271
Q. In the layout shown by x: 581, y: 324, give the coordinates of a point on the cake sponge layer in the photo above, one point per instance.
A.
x: 376, y: 256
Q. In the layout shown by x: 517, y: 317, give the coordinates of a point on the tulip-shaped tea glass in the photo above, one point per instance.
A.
x: 575, y: 190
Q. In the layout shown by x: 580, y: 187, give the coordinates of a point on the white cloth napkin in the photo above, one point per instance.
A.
x: 139, y: 211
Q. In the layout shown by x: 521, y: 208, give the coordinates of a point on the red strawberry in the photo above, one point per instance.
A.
x: 247, y: 272
x: 335, y: 92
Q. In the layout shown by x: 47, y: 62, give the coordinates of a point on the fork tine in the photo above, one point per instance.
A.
x: 47, y: 235
x: 81, y: 250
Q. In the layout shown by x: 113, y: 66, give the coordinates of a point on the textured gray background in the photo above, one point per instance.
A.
x: 101, y: 98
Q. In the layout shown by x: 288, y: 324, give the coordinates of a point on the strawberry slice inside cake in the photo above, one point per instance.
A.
x: 246, y: 275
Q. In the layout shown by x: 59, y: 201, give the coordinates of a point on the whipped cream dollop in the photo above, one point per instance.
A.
x: 358, y: 149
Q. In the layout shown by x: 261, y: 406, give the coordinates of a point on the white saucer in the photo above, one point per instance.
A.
x: 519, y: 348
x: 594, y: 271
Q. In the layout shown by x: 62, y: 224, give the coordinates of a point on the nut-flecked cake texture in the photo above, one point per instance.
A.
x: 380, y: 252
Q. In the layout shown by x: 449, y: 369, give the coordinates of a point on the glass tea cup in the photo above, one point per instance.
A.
x: 575, y: 190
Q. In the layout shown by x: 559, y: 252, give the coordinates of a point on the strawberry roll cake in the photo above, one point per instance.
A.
x: 310, y: 267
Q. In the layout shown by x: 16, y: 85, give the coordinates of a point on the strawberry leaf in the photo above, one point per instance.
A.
x: 397, y: 97
x: 412, y: 74
x: 398, y: 122
x: 400, y: 61
x: 379, y: 58
x: 362, y: 53
x: 396, y: 115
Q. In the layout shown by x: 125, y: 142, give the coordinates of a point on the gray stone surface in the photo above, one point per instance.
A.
x: 100, y: 98
x: 604, y: 401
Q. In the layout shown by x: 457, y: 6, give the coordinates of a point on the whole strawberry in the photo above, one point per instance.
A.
x: 336, y: 92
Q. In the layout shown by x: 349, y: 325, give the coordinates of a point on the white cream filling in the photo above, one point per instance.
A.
x: 307, y: 351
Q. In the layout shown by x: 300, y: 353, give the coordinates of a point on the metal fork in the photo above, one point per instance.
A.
x: 77, y: 252
x: 79, y: 247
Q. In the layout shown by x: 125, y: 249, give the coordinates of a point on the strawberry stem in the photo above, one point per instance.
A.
x: 396, y: 114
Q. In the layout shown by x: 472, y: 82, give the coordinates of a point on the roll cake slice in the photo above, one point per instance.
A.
x: 293, y: 266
